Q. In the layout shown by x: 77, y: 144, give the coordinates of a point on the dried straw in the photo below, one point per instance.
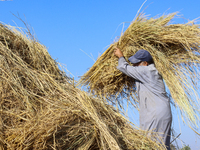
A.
x: 42, y: 109
x: 175, y: 50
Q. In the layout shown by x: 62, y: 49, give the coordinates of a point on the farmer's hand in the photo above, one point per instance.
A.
x: 118, y: 52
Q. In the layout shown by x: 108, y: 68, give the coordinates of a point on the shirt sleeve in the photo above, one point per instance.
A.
x: 138, y: 73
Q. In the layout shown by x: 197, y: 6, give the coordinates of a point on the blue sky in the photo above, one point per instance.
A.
x: 72, y: 28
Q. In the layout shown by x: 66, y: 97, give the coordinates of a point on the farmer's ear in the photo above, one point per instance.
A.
x: 145, y: 63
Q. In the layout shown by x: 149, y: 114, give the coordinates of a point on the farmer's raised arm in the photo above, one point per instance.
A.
x: 137, y: 73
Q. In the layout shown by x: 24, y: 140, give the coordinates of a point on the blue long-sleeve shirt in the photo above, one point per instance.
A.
x: 155, y: 111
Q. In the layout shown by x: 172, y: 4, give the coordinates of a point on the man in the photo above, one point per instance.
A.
x: 155, y: 111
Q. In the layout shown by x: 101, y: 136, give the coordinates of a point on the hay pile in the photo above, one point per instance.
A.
x: 40, y: 108
x: 175, y: 49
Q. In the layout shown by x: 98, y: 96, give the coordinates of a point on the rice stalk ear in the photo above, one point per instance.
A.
x: 175, y: 50
x: 41, y: 108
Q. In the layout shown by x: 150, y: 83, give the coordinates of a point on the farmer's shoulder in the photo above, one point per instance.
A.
x: 150, y: 69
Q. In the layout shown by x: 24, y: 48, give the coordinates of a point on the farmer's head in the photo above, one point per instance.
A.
x: 141, y: 58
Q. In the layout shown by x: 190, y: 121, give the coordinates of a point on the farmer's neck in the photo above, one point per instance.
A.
x: 142, y: 63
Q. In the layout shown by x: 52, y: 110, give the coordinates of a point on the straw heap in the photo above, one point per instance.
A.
x: 41, y: 109
x: 175, y: 50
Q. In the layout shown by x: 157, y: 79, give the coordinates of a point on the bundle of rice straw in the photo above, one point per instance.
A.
x: 175, y: 49
x: 42, y: 109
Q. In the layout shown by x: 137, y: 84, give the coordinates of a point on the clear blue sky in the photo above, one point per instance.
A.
x: 69, y: 27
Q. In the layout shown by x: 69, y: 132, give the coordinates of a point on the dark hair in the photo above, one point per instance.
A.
x: 150, y: 62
